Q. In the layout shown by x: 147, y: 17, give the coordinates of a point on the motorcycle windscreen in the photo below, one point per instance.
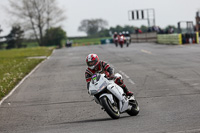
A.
x: 97, y: 87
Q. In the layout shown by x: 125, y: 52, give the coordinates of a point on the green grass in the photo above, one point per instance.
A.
x: 87, y: 41
x: 14, y: 65
x: 31, y: 44
x: 35, y: 44
x: 76, y: 42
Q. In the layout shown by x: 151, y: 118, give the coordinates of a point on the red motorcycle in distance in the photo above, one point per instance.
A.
x: 121, y: 40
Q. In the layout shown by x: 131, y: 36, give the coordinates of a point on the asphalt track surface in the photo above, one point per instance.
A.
x: 54, y: 99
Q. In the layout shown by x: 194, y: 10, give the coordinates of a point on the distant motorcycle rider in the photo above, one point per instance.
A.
x: 119, y: 37
x: 115, y: 39
x: 128, y: 38
x: 127, y: 34
x: 97, y: 66
x: 124, y: 33
x: 115, y: 35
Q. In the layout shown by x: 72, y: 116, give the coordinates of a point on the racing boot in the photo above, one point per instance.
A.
x: 120, y: 82
x: 127, y: 92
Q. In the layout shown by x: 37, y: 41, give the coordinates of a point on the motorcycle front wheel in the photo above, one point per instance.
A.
x: 127, y: 44
x: 111, y: 109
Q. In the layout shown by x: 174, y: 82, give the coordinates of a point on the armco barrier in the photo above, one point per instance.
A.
x: 144, y: 37
x: 169, y: 39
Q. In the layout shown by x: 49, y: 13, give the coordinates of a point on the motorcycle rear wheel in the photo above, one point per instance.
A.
x: 135, y: 109
x: 111, y: 109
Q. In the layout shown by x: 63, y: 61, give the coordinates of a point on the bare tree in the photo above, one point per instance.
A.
x: 36, y: 15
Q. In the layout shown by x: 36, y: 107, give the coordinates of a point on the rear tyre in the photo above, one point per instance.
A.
x: 111, y: 109
x: 121, y: 45
x: 135, y: 108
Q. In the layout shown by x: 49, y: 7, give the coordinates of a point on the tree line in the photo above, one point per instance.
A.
x: 98, y: 28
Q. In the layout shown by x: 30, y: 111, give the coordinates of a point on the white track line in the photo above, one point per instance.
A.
x: 124, y: 74
x: 131, y: 81
x: 145, y: 51
x: 11, y: 92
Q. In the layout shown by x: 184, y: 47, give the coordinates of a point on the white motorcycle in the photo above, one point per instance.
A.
x: 112, y: 97
x: 128, y: 40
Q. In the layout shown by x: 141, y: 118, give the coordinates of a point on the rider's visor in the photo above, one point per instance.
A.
x: 92, y: 63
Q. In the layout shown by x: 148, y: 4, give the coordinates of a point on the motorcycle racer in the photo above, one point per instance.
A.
x: 115, y: 38
x: 97, y: 66
x: 127, y: 34
x: 115, y: 35
x: 128, y: 38
x: 121, y: 39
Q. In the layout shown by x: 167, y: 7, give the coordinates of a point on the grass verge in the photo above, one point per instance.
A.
x: 14, y: 65
x: 87, y: 41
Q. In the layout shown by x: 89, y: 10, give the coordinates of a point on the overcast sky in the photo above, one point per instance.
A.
x: 167, y: 12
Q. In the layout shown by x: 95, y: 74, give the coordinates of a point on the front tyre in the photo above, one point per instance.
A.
x: 134, y: 109
x: 121, y: 45
x: 111, y: 109
x: 116, y: 44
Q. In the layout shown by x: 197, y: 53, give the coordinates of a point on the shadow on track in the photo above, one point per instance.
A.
x: 90, y: 121
x: 44, y: 104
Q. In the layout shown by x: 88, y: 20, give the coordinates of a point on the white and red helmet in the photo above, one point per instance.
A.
x: 92, y: 61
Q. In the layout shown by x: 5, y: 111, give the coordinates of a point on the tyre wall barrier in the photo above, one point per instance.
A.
x: 178, y: 39
x: 169, y: 38
x: 197, y: 36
